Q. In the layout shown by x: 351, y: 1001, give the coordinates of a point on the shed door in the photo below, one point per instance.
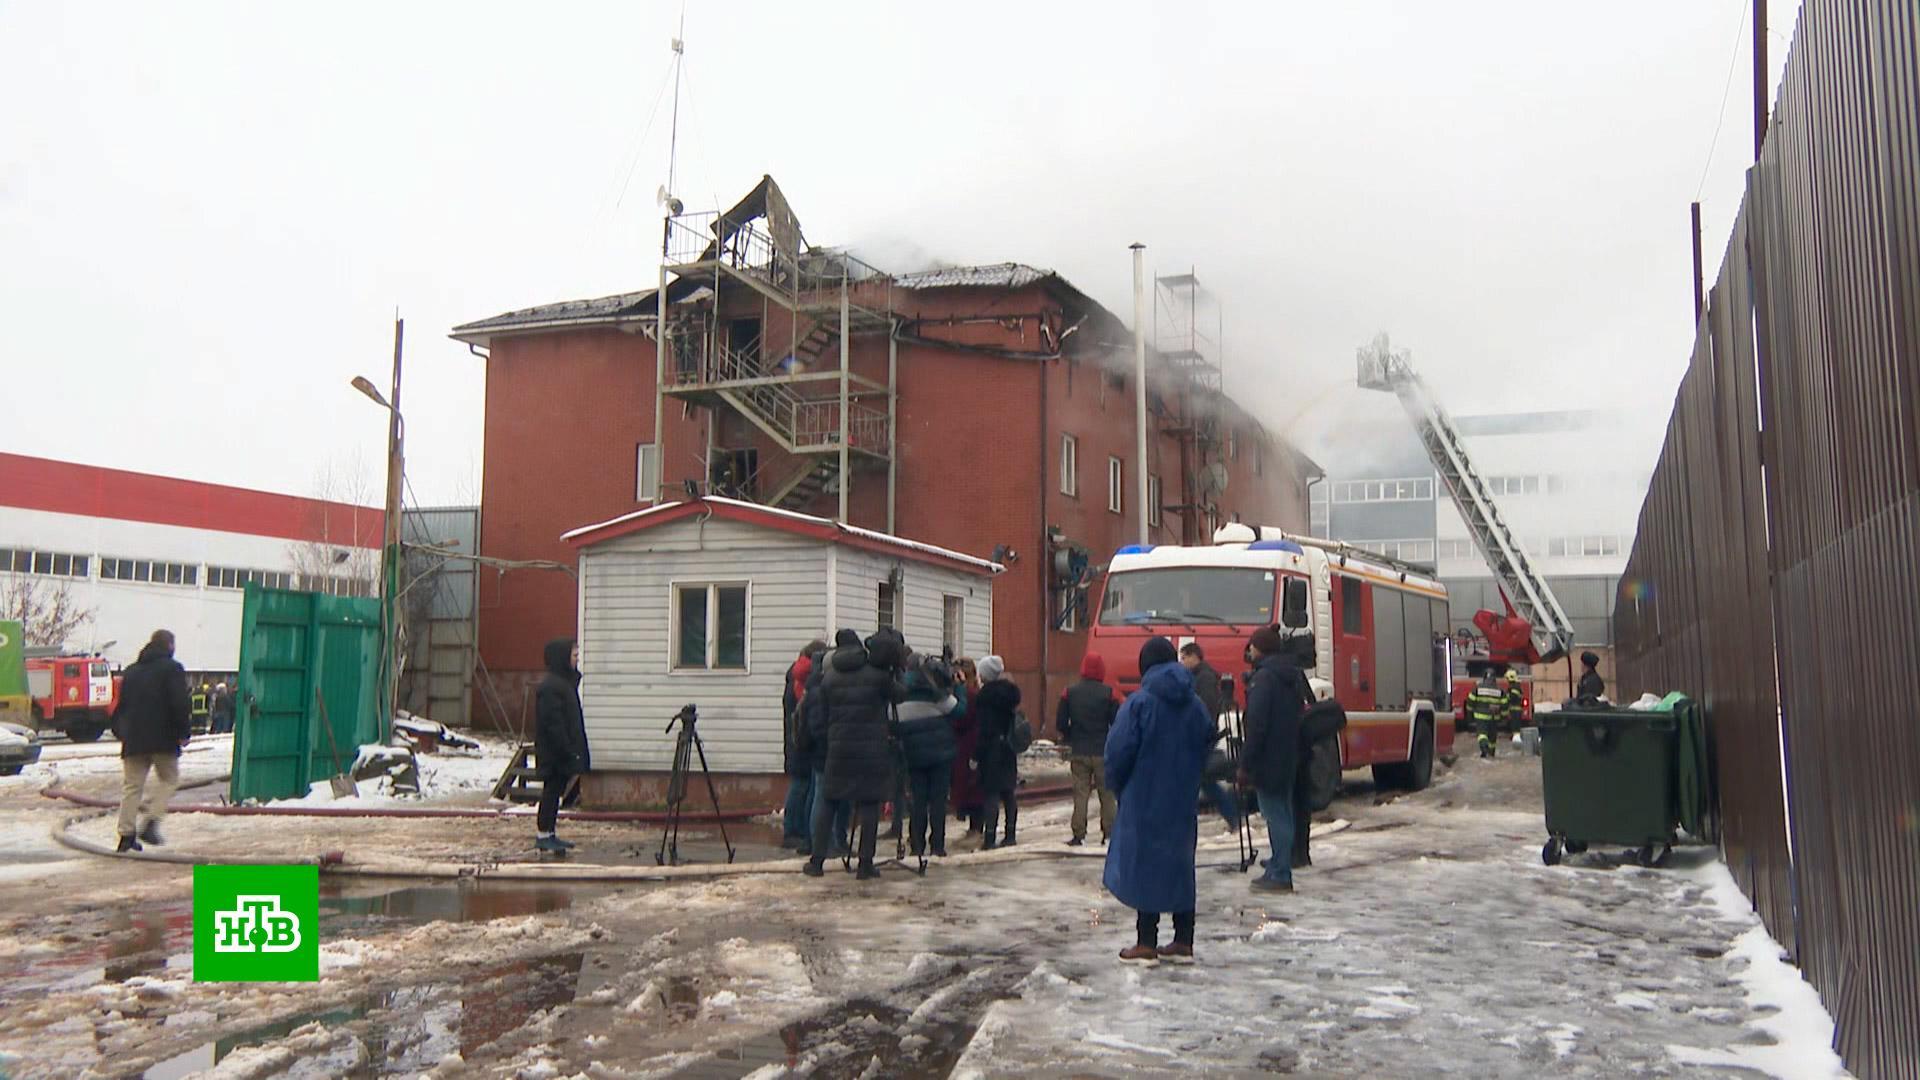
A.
x: 298, y: 649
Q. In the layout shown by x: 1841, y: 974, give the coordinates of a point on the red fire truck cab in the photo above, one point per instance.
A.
x: 1380, y: 627
x: 74, y: 694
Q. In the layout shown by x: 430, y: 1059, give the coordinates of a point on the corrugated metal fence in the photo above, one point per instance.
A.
x: 1776, y: 574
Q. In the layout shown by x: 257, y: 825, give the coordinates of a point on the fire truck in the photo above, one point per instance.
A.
x: 1381, y: 627
x: 74, y: 694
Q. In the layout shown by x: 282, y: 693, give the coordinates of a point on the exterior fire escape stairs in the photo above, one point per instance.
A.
x: 805, y: 402
x: 1525, y: 588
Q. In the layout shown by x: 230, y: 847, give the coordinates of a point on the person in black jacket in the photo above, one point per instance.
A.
x: 860, y: 688
x: 1591, y: 687
x: 797, y: 818
x: 995, y: 706
x: 813, y: 735
x: 1086, y: 713
x: 1274, y: 705
x: 1305, y: 657
x: 929, y: 745
x: 154, y: 721
x: 559, y: 739
x: 1206, y: 685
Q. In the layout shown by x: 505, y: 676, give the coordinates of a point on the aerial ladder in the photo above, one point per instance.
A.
x: 1535, y: 628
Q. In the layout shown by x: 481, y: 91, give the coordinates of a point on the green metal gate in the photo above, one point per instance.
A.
x: 298, y: 649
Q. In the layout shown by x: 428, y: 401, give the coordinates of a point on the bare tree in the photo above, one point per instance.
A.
x: 48, y: 612
x: 339, y: 562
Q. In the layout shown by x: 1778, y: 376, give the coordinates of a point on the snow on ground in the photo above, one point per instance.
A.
x: 1427, y: 939
x: 459, y: 777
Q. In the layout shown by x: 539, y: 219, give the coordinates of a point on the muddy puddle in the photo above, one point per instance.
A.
x: 160, y: 939
x: 404, y: 1031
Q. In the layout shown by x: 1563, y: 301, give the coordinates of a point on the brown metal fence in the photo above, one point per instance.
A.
x: 1776, y: 575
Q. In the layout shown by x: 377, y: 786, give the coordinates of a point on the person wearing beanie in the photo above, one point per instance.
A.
x: 1084, y: 717
x: 813, y: 731
x: 860, y: 689
x: 1153, y: 759
x: 1276, y: 698
x: 1591, y: 687
x: 994, y: 709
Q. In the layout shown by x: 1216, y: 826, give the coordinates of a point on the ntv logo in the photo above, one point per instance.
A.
x: 256, y: 925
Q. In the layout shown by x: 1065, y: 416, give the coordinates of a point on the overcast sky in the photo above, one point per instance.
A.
x: 209, y: 213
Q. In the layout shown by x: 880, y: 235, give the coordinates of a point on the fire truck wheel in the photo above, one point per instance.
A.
x: 1420, y: 769
x: 83, y: 734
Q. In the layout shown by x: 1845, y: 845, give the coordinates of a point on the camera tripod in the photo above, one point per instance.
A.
x: 684, y: 747
x: 1235, y: 719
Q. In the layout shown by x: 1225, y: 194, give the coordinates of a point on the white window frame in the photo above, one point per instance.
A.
x: 896, y: 611
x: 1116, y: 485
x: 1069, y: 466
x: 1153, y: 499
x: 708, y: 668
x: 953, y: 623
x: 646, y: 473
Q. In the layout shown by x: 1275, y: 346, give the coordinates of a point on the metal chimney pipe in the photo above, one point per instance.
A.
x: 1140, y: 383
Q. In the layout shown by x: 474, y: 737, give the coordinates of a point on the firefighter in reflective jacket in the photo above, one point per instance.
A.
x: 1516, y: 703
x: 1485, y: 705
x: 202, y: 713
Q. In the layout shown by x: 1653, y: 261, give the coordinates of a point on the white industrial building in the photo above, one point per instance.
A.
x: 708, y: 602
x: 146, y: 552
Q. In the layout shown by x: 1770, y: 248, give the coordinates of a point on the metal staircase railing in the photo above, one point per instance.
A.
x: 1532, y: 598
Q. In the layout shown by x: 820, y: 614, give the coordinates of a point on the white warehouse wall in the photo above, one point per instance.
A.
x: 206, y: 621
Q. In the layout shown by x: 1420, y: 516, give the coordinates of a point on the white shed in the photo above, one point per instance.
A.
x: 708, y: 601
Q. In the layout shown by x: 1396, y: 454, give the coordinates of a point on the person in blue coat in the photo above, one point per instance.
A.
x: 1154, y: 756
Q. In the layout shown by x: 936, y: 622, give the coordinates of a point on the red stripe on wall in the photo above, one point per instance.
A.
x: 62, y: 487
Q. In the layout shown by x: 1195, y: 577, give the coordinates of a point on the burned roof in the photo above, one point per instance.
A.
x: 598, y: 311
x: 1007, y: 275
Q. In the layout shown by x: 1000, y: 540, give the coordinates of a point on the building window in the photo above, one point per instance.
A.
x: 953, y: 624
x: 1116, y: 483
x: 1153, y: 499
x: 1456, y: 549
x: 149, y: 571
x: 45, y: 563
x: 1350, y: 618
x: 710, y: 627
x: 646, y: 473
x: 1069, y: 466
x: 888, y: 607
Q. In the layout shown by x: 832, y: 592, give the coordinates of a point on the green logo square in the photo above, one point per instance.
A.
x: 256, y: 924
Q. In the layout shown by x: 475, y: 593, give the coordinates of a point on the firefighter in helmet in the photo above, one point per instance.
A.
x: 1485, y: 706
x: 202, y: 711
x: 1516, y: 702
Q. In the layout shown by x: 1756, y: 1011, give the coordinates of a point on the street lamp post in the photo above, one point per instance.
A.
x: 390, y: 543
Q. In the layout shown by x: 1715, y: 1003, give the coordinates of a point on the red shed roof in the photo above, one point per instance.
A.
x: 773, y: 517
x: 62, y: 487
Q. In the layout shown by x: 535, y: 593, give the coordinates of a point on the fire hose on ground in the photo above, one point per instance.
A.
x: 339, y: 862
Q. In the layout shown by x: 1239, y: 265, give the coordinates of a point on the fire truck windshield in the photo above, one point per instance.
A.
x: 1188, y: 594
x: 99, y: 669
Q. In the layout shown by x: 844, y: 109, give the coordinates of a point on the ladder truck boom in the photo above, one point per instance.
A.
x: 1548, y: 632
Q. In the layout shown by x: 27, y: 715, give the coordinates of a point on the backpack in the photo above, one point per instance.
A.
x: 1019, y: 733
x: 1322, y: 719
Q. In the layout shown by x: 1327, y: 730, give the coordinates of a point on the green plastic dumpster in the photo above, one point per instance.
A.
x: 1610, y: 776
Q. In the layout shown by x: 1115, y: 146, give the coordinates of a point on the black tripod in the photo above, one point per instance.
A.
x: 684, y: 747
x: 1236, y: 755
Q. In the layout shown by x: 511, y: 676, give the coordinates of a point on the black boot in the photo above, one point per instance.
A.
x: 813, y: 869
x: 151, y: 834
x: 867, y: 872
x: 127, y: 843
x: 1007, y: 840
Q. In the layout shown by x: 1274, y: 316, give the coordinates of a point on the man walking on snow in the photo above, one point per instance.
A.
x: 155, y: 720
x: 1085, y: 714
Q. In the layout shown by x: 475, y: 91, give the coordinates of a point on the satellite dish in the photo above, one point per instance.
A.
x: 1214, y: 478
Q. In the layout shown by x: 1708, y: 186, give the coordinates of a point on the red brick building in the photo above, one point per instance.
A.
x: 988, y: 410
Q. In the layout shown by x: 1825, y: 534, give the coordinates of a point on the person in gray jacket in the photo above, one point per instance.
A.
x: 928, y: 743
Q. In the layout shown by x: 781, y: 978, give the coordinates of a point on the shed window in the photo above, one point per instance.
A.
x: 710, y: 627
x: 953, y: 624
x: 887, y: 608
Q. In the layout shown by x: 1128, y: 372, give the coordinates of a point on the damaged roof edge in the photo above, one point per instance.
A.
x: 615, y: 310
